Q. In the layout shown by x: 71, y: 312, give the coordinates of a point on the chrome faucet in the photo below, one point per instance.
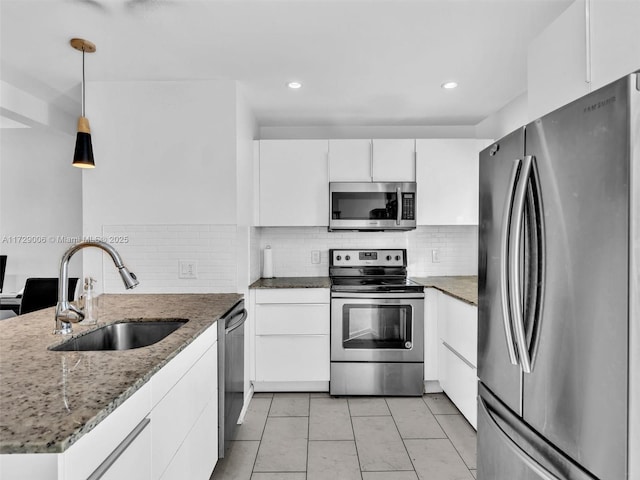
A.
x: 67, y: 313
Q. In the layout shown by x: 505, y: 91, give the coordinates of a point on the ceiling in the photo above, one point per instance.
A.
x: 361, y: 62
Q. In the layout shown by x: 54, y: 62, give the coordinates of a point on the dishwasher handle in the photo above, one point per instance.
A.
x: 231, y: 325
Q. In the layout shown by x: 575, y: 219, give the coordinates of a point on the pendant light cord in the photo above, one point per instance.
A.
x: 83, y: 81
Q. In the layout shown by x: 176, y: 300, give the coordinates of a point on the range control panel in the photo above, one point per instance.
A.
x: 357, y: 258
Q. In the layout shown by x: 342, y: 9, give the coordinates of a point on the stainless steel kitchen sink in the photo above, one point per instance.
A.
x: 121, y: 336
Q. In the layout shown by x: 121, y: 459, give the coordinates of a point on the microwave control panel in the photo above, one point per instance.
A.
x: 408, y: 206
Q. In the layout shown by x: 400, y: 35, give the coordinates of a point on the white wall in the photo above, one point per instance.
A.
x: 246, y: 131
x: 40, y: 200
x: 351, y: 131
x: 165, y: 155
x: 504, y: 121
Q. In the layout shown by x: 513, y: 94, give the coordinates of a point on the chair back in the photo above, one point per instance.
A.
x: 3, y: 266
x: 42, y: 293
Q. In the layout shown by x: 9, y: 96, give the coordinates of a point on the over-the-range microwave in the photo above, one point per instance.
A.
x: 372, y: 206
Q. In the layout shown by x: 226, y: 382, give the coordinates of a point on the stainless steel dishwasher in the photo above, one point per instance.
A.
x: 230, y: 373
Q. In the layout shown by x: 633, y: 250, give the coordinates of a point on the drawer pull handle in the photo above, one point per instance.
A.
x: 119, y: 450
x: 458, y: 354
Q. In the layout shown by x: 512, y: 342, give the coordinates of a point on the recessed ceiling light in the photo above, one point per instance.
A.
x: 294, y: 85
x: 449, y: 85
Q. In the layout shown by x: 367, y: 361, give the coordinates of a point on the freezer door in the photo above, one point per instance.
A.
x: 576, y: 395
x: 508, y: 449
x: 496, y: 344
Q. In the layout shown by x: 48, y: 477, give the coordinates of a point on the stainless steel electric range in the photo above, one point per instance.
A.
x: 377, y: 324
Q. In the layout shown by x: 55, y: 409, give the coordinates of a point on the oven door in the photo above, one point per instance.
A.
x: 377, y: 327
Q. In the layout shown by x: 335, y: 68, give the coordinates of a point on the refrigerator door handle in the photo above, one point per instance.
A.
x: 542, y: 472
x: 504, y: 263
x: 514, y: 271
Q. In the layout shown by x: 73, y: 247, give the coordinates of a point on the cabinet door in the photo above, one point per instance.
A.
x: 459, y: 380
x: 292, y: 358
x: 177, y: 413
x: 459, y: 326
x: 447, y: 171
x: 294, y: 183
x: 394, y: 160
x: 557, y: 62
x: 350, y: 160
x: 431, y: 339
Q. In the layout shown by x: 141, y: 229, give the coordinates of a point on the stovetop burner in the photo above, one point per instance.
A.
x: 381, y: 270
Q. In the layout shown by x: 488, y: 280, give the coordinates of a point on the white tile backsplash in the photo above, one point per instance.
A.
x: 293, y: 246
x: 153, y: 253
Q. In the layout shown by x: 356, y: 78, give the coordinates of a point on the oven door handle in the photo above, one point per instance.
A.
x: 381, y: 296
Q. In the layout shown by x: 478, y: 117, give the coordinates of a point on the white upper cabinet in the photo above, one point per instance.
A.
x: 294, y: 183
x: 592, y: 43
x: 394, y: 160
x: 350, y: 160
x: 379, y: 160
x: 447, y: 171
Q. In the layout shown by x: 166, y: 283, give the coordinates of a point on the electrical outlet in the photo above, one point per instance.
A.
x: 435, y: 255
x: 315, y: 256
x: 188, y: 269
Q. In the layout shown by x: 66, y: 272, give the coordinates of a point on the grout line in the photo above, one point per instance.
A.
x: 400, y: 435
x: 453, y: 444
x: 355, y: 443
x: 261, y: 437
x: 306, y: 468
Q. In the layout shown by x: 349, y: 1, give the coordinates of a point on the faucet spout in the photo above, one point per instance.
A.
x: 67, y: 313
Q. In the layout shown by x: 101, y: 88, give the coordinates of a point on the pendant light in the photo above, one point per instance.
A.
x: 83, y: 156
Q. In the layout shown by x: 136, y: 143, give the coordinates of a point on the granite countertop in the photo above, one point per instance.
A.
x: 463, y: 288
x: 292, y: 282
x: 50, y: 399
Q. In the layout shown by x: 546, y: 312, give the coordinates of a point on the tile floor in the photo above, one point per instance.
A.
x: 312, y: 436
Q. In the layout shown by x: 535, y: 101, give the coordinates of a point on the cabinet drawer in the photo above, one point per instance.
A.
x: 84, y: 456
x: 177, y: 412
x: 458, y: 326
x: 178, y: 366
x: 300, y: 319
x: 292, y: 358
x: 198, y: 455
x: 291, y: 295
x: 460, y: 382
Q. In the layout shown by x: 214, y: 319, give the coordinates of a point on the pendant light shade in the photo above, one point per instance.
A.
x: 83, y: 155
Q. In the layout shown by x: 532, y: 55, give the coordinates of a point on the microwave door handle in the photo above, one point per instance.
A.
x: 399, y: 209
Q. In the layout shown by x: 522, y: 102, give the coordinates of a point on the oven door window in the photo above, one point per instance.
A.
x: 376, y: 327
x: 364, y: 205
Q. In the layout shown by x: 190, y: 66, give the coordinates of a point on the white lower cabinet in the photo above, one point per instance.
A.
x: 175, y: 416
x: 457, y: 333
x: 292, y: 339
x: 459, y: 381
x: 168, y: 429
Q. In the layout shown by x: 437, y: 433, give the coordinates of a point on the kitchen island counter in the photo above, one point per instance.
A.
x: 49, y: 399
x: 292, y: 282
x: 463, y: 288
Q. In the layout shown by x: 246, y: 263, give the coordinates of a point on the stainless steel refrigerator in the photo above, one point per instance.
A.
x: 559, y: 294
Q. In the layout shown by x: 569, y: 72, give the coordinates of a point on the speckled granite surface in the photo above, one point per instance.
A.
x: 50, y: 399
x: 462, y: 288
x: 292, y: 282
